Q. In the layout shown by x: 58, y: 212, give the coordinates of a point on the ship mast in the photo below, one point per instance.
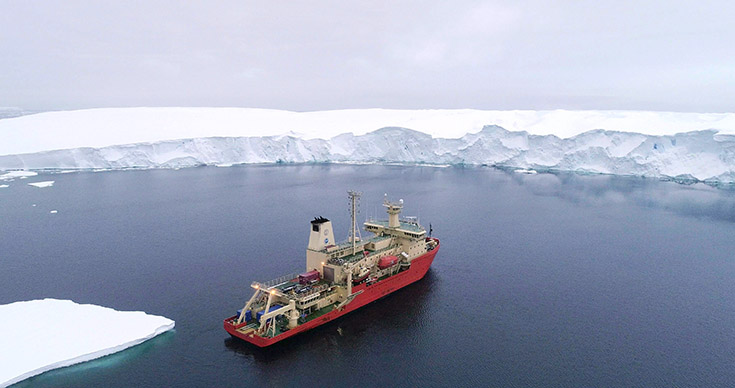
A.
x: 354, y: 203
x: 394, y: 209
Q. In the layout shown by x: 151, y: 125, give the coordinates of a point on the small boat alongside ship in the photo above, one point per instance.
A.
x: 339, y: 277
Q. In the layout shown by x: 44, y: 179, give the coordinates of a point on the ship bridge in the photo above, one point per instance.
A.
x: 406, y: 227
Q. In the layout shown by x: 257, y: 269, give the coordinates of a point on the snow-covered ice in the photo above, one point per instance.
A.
x: 114, y: 126
x: 17, y: 174
x: 4, y: 186
x: 40, y: 335
x: 42, y: 184
x: 657, y: 144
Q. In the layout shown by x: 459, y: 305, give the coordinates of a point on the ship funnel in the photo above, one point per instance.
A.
x: 321, y: 234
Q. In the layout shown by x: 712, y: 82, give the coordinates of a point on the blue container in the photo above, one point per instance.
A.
x: 260, y: 313
x: 248, y: 314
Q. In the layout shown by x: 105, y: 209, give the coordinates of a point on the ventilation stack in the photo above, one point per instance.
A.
x: 321, y: 235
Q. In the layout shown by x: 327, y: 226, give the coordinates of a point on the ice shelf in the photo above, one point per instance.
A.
x: 687, y: 146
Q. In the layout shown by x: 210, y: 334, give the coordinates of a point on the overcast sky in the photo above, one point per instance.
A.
x: 317, y: 55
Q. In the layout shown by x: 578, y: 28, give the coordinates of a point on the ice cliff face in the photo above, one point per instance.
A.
x: 699, y: 155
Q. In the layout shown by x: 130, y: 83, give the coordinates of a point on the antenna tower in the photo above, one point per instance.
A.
x: 354, y: 210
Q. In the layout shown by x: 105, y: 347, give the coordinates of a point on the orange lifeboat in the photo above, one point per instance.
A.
x: 387, y: 261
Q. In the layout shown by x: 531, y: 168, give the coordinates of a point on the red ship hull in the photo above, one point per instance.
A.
x: 418, y: 269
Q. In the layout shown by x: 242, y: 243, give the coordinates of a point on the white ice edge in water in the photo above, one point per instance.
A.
x: 42, y: 184
x: 77, y: 333
x: 10, y: 175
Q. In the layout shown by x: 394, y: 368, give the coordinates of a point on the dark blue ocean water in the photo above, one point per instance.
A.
x: 542, y: 280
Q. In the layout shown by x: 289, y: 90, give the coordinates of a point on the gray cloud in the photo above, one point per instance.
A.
x: 313, y: 55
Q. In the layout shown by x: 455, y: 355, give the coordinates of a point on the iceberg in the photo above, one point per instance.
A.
x: 31, y: 345
x: 654, y: 144
x: 42, y: 184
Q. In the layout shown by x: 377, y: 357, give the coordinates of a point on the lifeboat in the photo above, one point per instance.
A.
x: 362, y: 275
x: 387, y: 262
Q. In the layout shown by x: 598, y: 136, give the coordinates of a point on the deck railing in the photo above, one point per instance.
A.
x: 411, y: 221
x: 314, y: 290
x: 286, y: 278
x: 358, y: 256
x: 277, y: 281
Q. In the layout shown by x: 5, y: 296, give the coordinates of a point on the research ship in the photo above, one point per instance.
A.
x: 339, y: 277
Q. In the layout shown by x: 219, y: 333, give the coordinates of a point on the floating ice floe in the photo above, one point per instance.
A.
x: 4, y: 186
x: 54, y: 211
x: 42, y: 184
x: 526, y: 171
x: 40, y: 335
x: 11, y: 175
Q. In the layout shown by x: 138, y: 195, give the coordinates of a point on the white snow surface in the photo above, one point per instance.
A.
x: 17, y: 174
x: 687, y: 145
x: 41, y: 335
x: 42, y: 184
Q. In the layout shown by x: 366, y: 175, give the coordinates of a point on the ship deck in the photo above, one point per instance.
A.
x: 280, y: 329
x: 348, y: 244
x: 284, y: 287
x: 402, y: 225
x: 343, y: 246
x: 364, y: 293
x: 359, y: 255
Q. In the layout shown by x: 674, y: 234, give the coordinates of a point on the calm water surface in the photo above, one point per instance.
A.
x: 542, y: 280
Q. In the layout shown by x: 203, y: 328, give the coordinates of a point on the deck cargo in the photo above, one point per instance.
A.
x: 308, y: 277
